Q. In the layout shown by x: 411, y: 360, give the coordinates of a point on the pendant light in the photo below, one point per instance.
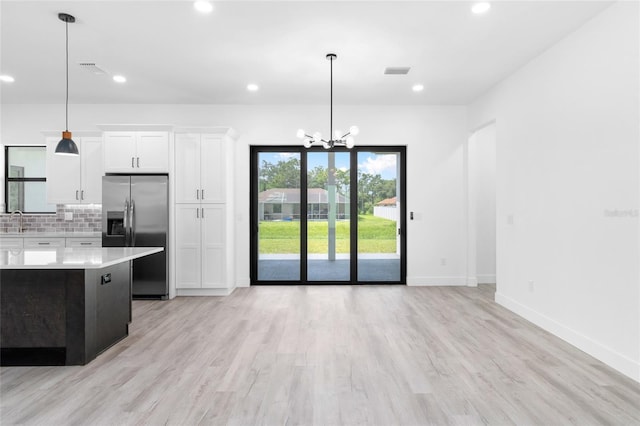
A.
x: 340, y: 139
x: 67, y: 146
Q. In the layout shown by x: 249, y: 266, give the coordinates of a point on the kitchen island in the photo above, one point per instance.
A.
x: 64, y: 306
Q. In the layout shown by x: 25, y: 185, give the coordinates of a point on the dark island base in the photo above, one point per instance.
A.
x: 62, y: 316
x: 22, y: 357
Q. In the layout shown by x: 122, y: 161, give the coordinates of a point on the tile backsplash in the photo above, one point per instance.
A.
x: 85, y: 219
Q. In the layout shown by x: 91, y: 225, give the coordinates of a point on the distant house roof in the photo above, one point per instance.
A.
x: 292, y: 196
x: 387, y: 202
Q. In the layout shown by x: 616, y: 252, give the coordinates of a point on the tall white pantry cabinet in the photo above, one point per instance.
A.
x: 204, y: 199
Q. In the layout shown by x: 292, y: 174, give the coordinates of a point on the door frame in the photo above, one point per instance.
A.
x: 255, y: 150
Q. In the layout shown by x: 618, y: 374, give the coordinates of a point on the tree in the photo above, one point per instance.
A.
x: 317, y: 177
x: 284, y: 174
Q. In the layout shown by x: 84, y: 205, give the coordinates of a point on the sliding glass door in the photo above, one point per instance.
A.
x: 379, y: 230
x: 327, y: 216
x: 278, y: 216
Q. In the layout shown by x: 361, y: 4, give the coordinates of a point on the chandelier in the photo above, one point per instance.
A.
x: 341, y: 139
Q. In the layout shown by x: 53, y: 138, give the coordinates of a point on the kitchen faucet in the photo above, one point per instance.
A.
x: 20, y: 228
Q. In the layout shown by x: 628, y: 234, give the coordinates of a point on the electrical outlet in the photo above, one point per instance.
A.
x: 68, y: 215
x: 531, y: 286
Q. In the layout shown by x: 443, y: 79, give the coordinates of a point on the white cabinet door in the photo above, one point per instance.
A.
x: 63, y: 175
x: 187, y: 176
x: 212, y: 166
x: 152, y: 154
x: 188, y: 246
x: 91, y: 170
x: 119, y: 152
x: 213, y: 249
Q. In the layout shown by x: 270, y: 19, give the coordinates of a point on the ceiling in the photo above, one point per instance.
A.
x: 172, y: 54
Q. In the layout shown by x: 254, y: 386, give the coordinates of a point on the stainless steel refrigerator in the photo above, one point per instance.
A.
x: 135, y: 213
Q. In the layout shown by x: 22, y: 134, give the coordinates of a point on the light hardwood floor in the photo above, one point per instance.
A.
x: 327, y: 355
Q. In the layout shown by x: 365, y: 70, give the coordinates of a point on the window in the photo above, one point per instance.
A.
x: 26, y: 179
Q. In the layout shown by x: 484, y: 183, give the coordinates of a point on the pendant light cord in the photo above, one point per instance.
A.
x: 66, y: 102
x: 331, y: 103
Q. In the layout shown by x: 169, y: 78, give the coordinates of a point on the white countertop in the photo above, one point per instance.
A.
x: 50, y: 235
x: 70, y: 257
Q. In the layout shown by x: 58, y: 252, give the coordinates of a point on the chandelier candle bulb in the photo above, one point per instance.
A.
x: 350, y: 142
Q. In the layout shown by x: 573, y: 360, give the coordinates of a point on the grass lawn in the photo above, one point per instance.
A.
x: 375, y: 235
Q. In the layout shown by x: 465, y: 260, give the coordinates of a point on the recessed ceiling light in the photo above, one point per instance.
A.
x: 7, y: 78
x: 119, y: 79
x: 203, y: 6
x: 417, y: 88
x: 252, y: 87
x: 479, y: 8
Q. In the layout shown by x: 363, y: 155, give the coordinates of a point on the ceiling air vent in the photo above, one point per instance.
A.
x: 397, y: 70
x: 92, y: 68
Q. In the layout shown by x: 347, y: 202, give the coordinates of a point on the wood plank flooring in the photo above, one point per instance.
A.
x: 328, y: 355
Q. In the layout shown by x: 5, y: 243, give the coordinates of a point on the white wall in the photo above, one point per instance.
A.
x: 434, y: 137
x: 567, y: 160
x: 482, y: 153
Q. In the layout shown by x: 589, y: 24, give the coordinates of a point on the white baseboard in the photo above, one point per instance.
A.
x: 204, y: 291
x: 436, y: 281
x: 472, y: 281
x: 615, y: 360
x: 486, y: 278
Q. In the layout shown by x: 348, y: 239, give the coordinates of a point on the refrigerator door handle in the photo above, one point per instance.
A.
x: 125, y: 223
x: 132, y: 223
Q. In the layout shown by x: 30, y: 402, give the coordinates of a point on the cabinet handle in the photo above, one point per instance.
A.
x: 197, y: 194
x: 132, y: 166
x: 138, y: 161
x: 85, y: 244
x: 82, y: 194
x: 76, y: 194
x: 202, y: 192
x: 203, y: 212
x: 43, y: 244
x: 197, y: 213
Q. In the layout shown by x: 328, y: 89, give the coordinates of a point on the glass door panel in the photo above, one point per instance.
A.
x: 328, y: 216
x: 278, y: 242
x: 379, y: 239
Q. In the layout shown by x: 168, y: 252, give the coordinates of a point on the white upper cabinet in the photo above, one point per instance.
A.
x: 75, y: 179
x: 136, y: 152
x: 187, y: 176
x: 200, y: 168
x: 213, y: 164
